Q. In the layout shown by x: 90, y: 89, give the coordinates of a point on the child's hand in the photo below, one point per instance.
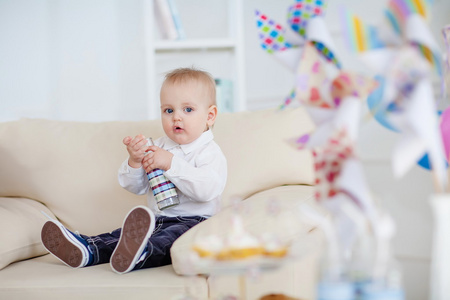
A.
x: 136, y: 148
x: 157, y: 159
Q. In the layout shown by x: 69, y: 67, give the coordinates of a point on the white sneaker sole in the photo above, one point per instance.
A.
x: 63, y: 245
x: 137, y: 228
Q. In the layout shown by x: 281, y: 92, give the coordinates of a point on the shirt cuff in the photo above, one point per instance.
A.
x: 176, y: 167
x: 126, y: 169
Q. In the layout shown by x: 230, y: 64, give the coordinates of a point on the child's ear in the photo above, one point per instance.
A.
x: 212, y: 114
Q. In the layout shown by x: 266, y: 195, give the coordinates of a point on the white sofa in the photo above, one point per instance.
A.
x: 69, y: 170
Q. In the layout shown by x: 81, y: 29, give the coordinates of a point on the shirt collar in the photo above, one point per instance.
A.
x: 205, y: 138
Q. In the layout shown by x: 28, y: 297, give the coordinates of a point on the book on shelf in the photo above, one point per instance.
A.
x: 176, y: 19
x: 224, y: 95
x: 168, y: 20
x: 164, y: 19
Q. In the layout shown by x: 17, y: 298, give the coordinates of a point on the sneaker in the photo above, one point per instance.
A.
x: 137, y: 228
x: 67, y: 246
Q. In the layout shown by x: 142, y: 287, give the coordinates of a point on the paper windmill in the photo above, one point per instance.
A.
x: 334, y: 105
x: 277, y: 40
x: 306, y: 25
x: 323, y: 96
x: 406, y: 101
x: 328, y: 163
x: 305, y: 18
x: 341, y: 188
x: 331, y: 96
x: 300, y: 13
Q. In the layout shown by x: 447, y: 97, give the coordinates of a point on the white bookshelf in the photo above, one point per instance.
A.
x: 199, y: 44
x: 227, y: 44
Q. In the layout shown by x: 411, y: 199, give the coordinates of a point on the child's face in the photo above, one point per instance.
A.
x: 186, y: 111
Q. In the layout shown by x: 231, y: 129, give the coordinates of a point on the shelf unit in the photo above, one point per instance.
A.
x: 225, y: 43
x: 232, y: 45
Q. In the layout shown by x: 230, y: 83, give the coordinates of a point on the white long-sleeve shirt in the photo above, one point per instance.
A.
x: 198, y: 170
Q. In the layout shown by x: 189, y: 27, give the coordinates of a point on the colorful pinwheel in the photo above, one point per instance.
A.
x: 404, y: 59
x: 333, y: 98
x: 306, y: 26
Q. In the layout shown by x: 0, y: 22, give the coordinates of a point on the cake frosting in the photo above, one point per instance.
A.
x: 239, y: 244
x: 273, y: 246
x: 208, y: 246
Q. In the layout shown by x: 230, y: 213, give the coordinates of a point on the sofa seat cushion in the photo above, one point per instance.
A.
x: 47, y: 278
x: 20, y: 235
x: 287, y: 223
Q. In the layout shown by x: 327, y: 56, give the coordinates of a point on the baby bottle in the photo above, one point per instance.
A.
x: 334, y: 283
x: 164, y: 191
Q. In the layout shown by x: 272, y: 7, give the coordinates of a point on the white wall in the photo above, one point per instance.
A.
x: 24, y: 63
x: 84, y: 60
x: 71, y: 60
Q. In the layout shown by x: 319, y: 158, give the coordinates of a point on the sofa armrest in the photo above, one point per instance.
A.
x: 288, y: 223
x: 21, y: 221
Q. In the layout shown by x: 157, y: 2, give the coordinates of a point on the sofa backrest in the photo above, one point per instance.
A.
x: 259, y: 153
x: 71, y: 167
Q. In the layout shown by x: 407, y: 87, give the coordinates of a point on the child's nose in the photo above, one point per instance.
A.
x: 176, y: 116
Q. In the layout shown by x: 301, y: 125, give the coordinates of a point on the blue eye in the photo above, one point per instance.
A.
x: 168, y: 110
x: 188, y: 109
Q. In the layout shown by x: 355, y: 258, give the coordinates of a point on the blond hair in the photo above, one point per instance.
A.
x: 193, y: 74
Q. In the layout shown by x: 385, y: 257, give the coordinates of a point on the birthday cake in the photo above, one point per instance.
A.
x: 273, y: 246
x: 239, y: 244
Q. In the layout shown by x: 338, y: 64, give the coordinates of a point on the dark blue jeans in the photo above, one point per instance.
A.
x: 167, y: 230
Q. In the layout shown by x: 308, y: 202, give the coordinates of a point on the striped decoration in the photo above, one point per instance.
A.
x: 288, y: 100
x: 399, y: 10
x: 329, y: 56
x: 162, y: 188
x: 431, y: 57
x: 271, y: 34
x: 359, y: 36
